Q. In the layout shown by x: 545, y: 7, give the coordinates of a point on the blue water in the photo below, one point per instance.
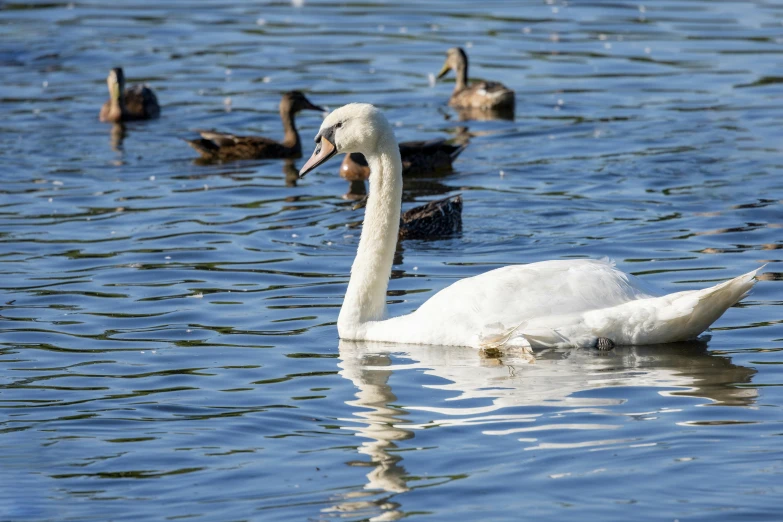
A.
x: 167, y: 340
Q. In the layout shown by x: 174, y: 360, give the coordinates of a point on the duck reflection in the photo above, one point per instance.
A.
x: 518, y: 379
x: 117, y: 136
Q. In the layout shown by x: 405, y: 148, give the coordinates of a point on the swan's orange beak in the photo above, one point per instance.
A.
x: 324, y: 150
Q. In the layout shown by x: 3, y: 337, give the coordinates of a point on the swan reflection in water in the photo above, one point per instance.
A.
x: 550, y: 378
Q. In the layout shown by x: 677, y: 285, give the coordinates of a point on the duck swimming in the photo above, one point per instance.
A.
x: 418, y: 157
x: 561, y: 303
x: 137, y: 102
x: 216, y: 146
x: 437, y: 219
x: 479, y: 95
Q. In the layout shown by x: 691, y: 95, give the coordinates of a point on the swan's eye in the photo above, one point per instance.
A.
x: 340, y: 124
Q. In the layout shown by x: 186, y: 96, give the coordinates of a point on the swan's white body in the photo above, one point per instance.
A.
x: 552, y: 303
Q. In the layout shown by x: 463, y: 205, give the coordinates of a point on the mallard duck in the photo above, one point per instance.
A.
x: 479, y: 95
x: 576, y: 303
x: 436, y: 219
x: 219, y: 146
x: 418, y: 157
x: 137, y: 102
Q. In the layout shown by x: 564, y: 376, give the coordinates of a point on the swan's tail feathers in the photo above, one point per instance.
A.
x: 706, y: 306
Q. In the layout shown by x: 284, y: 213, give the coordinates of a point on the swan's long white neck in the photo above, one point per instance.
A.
x: 365, y: 299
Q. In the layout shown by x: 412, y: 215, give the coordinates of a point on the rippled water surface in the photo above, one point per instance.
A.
x: 168, y: 346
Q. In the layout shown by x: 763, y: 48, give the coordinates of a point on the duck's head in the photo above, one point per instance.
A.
x: 116, y: 82
x: 356, y: 127
x: 295, y: 101
x: 455, y: 59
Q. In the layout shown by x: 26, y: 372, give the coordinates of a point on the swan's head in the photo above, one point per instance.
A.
x: 356, y: 127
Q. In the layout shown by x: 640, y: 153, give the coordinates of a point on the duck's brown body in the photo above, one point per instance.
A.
x: 436, y: 219
x: 479, y: 95
x: 216, y: 146
x: 137, y: 102
x: 418, y: 158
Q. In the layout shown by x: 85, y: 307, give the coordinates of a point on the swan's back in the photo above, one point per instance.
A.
x: 493, y: 302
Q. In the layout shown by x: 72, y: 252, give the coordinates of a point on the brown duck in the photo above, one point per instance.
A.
x: 218, y: 146
x: 137, y: 102
x: 436, y: 219
x: 479, y: 95
x: 418, y: 157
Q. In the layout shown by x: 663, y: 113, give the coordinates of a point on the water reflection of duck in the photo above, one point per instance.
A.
x: 224, y: 147
x: 435, y: 219
x: 560, y: 303
x: 418, y: 158
x: 137, y: 102
x: 478, y: 95
x: 481, y: 393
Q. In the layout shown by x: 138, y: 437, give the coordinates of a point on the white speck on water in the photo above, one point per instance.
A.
x: 502, y: 173
x: 328, y: 243
x: 227, y: 100
x: 371, y: 70
x: 554, y: 37
x: 266, y: 79
x: 415, y: 268
x: 201, y: 92
x: 398, y: 124
x: 294, y: 235
x: 167, y: 257
x: 434, y: 27
x: 58, y: 183
x: 602, y: 37
x: 71, y: 5
x: 526, y: 30
x: 261, y: 21
x: 152, y: 178
x: 403, y: 30
x: 431, y: 79
x: 381, y: 27
x: 197, y: 296
x: 607, y: 45
x: 556, y: 107
x: 36, y: 111
x: 560, y: 101
x: 297, y: 3
x: 188, y: 330
x: 113, y: 232
x: 469, y: 44
x: 50, y: 200
x: 45, y: 84
x: 555, y: 10
x: 228, y: 71
x: 206, y: 187
x: 647, y: 50
x: 642, y: 9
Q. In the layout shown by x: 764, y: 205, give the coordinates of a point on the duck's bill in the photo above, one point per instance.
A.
x: 313, y: 107
x: 444, y: 70
x: 324, y: 150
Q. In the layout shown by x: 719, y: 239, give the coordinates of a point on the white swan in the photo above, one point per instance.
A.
x: 566, y: 303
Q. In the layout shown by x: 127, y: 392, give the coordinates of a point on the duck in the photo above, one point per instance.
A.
x: 216, y: 146
x: 479, y: 95
x: 433, y: 220
x: 418, y: 158
x: 563, y: 303
x: 137, y: 102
